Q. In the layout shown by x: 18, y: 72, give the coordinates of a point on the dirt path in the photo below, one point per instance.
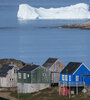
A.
x: 6, y: 95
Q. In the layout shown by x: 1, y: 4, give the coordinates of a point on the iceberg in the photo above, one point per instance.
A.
x: 78, y: 11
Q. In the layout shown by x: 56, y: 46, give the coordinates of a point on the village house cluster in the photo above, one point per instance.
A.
x: 31, y: 78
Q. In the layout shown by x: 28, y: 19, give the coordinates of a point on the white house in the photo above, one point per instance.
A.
x: 8, y: 75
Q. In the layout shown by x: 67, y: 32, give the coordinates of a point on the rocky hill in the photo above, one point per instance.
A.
x: 19, y: 63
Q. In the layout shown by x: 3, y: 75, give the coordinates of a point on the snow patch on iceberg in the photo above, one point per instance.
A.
x: 78, y: 11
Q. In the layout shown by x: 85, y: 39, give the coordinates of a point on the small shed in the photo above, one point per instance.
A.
x: 55, y: 67
x: 32, y: 78
x: 74, y: 72
x: 8, y: 75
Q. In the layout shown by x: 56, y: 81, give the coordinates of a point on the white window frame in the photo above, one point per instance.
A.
x: 77, y: 78
x: 19, y: 75
x: 28, y: 75
x: 24, y: 75
x: 69, y: 77
x: 62, y: 77
x: 66, y: 78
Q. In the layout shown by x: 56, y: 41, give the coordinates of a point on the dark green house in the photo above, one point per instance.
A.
x: 32, y: 78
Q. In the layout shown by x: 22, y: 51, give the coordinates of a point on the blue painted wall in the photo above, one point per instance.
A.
x: 73, y: 78
x: 83, y: 70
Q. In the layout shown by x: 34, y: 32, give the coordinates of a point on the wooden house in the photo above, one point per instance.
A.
x: 75, y: 73
x: 8, y: 75
x: 32, y: 78
x: 55, y: 67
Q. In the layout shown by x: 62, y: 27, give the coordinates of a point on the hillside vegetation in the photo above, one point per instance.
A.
x: 19, y: 63
x: 50, y: 94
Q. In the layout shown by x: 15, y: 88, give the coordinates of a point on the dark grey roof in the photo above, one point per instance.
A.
x: 4, y: 70
x: 71, y: 68
x: 28, y: 68
x: 49, y: 62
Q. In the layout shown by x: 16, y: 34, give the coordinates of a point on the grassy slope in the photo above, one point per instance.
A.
x: 50, y: 94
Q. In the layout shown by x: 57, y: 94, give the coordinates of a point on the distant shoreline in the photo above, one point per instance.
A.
x: 81, y: 26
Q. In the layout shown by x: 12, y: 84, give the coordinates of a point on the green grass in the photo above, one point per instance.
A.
x: 47, y: 94
x: 22, y: 96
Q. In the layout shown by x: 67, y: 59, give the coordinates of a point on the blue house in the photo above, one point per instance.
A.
x: 75, y: 72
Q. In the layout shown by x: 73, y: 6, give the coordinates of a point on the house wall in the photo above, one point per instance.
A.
x: 55, y: 77
x: 30, y: 88
x: 87, y: 80
x: 21, y: 78
x: 70, y: 79
x: 55, y: 69
x: 10, y: 80
x: 3, y: 82
x: 67, y: 79
x: 82, y: 71
x: 40, y: 75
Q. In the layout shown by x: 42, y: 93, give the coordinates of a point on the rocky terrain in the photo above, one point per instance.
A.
x: 19, y: 63
x: 81, y: 26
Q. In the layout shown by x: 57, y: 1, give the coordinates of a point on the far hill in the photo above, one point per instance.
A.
x: 19, y: 63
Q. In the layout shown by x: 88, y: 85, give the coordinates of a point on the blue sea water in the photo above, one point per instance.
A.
x: 36, y: 40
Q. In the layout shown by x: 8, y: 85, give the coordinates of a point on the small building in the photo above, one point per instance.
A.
x: 8, y: 75
x: 32, y: 78
x: 75, y: 73
x: 55, y: 67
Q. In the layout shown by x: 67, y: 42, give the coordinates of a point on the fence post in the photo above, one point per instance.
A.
x: 63, y: 88
x: 77, y: 88
x: 69, y: 91
x: 59, y: 88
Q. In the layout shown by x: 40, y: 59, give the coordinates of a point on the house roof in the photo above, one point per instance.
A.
x: 71, y: 68
x: 4, y: 70
x: 28, y: 68
x: 49, y: 62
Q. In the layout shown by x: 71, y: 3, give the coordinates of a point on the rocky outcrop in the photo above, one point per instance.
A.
x: 82, y: 26
x: 19, y: 63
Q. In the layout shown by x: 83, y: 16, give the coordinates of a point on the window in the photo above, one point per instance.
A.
x: 24, y: 75
x: 63, y: 77
x: 69, y: 77
x: 27, y: 75
x: 19, y: 75
x: 44, y: 74
x: 15, y: 70
x: 66, y: 78
x: 11, y: 79
x: 77, y: 78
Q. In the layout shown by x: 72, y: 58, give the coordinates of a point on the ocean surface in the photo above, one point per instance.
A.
x: 37, y: 40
